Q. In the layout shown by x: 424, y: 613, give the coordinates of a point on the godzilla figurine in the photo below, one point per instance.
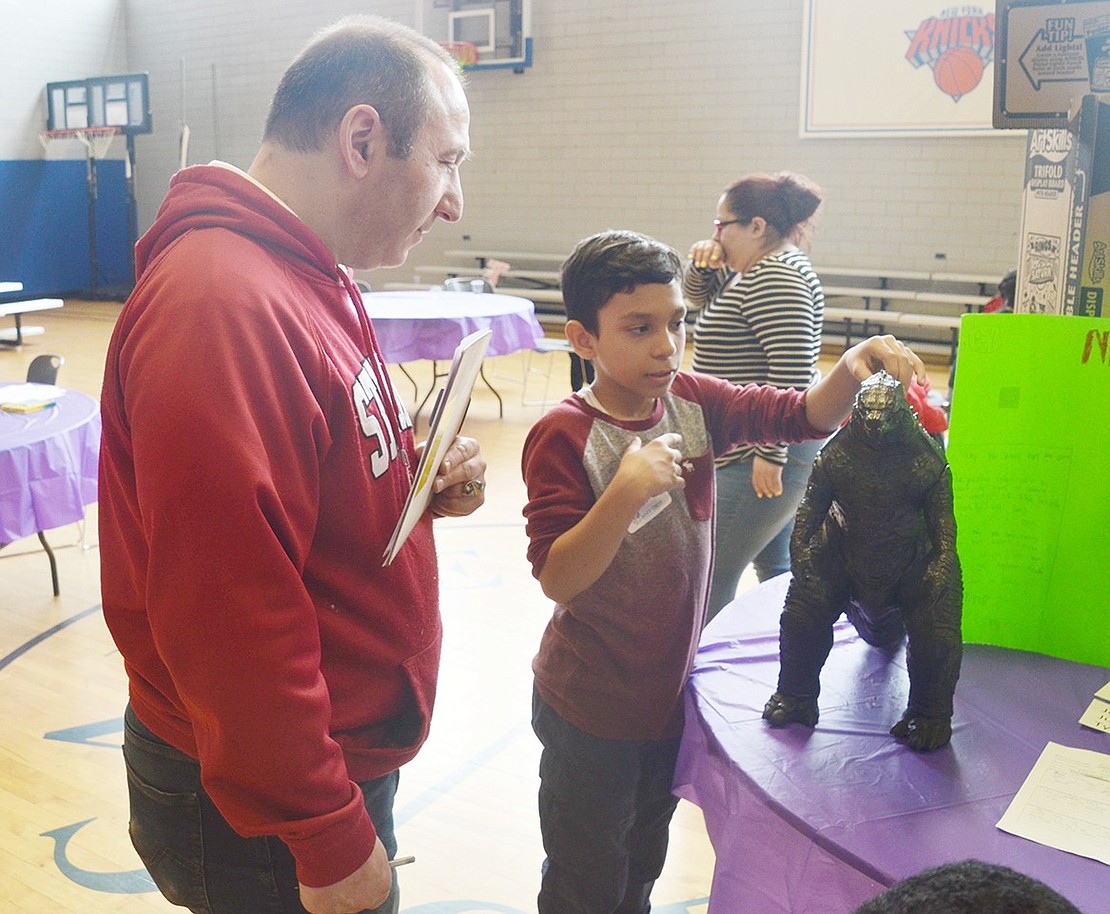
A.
x: 875, y: 539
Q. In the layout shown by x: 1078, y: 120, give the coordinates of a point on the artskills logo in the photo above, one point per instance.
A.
x: 1049, y: 143
x: 1097, y: 269
x: 957, y: 45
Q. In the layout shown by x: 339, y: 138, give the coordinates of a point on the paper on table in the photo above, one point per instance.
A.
x: 1097, y: 716
x: 447, y: 419
x: 1065, y: 803
x: 30, y: 393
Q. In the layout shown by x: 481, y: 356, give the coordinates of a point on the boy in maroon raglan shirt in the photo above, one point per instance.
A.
x: 620, y: 524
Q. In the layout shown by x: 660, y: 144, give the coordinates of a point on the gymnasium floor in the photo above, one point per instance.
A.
x: 466, y: 807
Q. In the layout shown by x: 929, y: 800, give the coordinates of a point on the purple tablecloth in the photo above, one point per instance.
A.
x: 48, y: 465
x: 818, y: 821
x: 429, y: 324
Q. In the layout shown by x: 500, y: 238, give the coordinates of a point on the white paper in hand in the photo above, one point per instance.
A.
x: 447, y: 419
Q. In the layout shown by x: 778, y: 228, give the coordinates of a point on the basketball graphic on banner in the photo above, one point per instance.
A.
x: 957, y: 71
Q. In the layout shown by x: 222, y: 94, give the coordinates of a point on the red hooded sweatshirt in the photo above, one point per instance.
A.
x: 255, y: 461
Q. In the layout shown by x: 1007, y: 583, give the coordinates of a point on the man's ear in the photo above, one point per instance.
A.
x: 581, y: 339
x: 362, y: 139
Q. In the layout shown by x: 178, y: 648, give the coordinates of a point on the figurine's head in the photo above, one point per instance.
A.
x: 880, y: 405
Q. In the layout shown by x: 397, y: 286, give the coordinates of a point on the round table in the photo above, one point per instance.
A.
x: 430, y: 323
x: 816, y: 821
x: 48, y: 467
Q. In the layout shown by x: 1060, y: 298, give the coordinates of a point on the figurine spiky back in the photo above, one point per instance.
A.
x: 875, y: 538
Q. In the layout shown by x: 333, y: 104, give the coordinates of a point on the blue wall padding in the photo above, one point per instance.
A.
x: 44, y: 227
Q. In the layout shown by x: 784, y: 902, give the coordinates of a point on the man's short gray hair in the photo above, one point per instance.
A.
x: 359, y: 60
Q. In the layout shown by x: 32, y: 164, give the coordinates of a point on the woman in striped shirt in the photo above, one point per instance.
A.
x: 761, y: 309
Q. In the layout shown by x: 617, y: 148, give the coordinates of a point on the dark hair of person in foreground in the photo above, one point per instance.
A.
x: 969, y: 887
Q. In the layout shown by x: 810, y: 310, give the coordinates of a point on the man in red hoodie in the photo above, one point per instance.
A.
x: 255, y: 462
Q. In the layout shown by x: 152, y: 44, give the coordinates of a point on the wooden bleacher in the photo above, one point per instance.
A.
x: 482, y: 257
x: 541, y: 278
x: 530, y: 276
x: 921, y: 307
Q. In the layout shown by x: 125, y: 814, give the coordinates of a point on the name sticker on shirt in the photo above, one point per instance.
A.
x: 648, y: 510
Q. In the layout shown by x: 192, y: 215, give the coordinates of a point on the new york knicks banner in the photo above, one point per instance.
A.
x: 896, y: 68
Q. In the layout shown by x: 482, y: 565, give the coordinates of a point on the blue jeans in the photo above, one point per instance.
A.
x: 605, y: 807
x: 755, y: 530
x: 194, y: 856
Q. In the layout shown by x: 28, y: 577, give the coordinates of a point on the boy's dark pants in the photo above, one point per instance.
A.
x: 605, y: 806
x: 191, y: 852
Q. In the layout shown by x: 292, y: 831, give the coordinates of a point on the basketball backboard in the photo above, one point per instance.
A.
x: 1048, y: 55
x: 497, y: 32
x: 478, y: 26
x: 100, y: 101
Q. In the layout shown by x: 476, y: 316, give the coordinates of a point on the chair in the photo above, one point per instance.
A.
x: 580, y: 371
x: 466, y: 284
x: 475, y: 284
x: 44, y: 369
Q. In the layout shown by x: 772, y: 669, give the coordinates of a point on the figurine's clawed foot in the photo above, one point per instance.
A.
x: 781, y: 710
x: 923, y: 733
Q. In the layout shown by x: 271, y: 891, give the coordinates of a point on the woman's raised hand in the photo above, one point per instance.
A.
x: 707, y: 254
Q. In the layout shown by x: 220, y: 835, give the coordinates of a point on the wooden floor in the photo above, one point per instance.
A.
x: 467, y: 804
x: 466, y: 807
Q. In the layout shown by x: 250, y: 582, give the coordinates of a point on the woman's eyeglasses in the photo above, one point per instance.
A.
x: 719, y: 224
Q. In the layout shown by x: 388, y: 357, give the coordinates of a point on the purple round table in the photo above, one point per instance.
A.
x: 819, y: 820
x: 429, y: 324
x: 48, y: 465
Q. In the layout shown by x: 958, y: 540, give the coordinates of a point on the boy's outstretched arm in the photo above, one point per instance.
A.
x: 831, y: 398
x: 580, y: 555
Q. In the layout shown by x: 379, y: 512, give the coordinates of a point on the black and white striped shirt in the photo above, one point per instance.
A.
x: 763, y: 329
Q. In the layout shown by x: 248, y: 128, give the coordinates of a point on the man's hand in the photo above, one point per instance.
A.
x: 365, y: 889
x: 460, y: 485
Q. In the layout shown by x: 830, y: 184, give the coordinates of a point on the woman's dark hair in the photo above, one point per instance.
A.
x: 786, y: 201
x: 611, y: 262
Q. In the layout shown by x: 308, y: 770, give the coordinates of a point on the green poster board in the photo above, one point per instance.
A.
x: 1029, y: 446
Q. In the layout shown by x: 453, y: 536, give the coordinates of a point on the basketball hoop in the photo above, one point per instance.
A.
x: 96, y: 140
x: 465, y: 52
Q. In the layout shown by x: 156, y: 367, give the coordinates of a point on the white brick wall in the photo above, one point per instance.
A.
x: 234, y: 52
x: 51, y: 42
x: 635, y: 115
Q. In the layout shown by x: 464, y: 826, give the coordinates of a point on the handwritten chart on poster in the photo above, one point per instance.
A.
x: 1029, y: 447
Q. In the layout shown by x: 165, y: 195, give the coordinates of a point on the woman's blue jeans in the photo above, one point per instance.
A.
x: 752, y: 530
